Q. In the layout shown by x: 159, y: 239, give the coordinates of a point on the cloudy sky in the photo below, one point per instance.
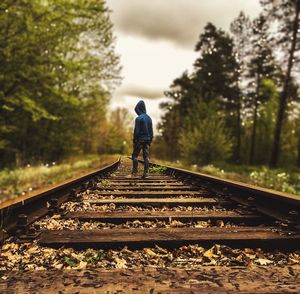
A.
x: 156, y: 39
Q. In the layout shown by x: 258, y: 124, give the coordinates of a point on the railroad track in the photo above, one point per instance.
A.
x: 156, y: 221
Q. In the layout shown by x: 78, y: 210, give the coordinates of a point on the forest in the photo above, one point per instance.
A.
x: 58, y: 71
x: 240, y: 103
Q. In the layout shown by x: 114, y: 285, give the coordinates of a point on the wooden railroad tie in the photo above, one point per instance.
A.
x: 123, y: 216
x: 144, y: 187
x: 149, y: 194
x: 237, y: 236
x: 163, y: 201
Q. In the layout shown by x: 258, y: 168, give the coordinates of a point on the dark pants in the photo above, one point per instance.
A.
x: 136, y: 151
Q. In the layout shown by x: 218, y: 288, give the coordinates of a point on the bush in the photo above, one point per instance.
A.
x: 273, y: 179
x: 207, y: 143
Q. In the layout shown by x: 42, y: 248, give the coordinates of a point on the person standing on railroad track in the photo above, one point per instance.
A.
x: 142, y: 138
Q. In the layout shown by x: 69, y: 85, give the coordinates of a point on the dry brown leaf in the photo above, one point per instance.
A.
x: 149, y: 252
x: 120, y: 262
x: 249, y: 251
x: 263, y: 261
x: 176, y: 223
x: 161, y: 250
x: 136, y: 222
x: 81, y: 265
x: 210, y: 253
x: 33, y: 250
x: 220, y: 223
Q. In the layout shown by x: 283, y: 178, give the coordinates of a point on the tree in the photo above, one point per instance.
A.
x: 266, y: 117
x: 215, y: 68
x: 170, y: 128
x: 286, y: 12
x: 212, y: 83
x: 208, y: 140
x: 240, y: 30
x: 261, y: 65
x: 176, y: 115
x: 217, y: 74
x: 57, y: 57
x: 120, y: 131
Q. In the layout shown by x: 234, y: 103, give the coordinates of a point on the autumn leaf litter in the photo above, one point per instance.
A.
x: 31, y: 256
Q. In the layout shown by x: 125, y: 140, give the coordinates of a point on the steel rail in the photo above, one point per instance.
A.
x: 279, y: 205
x: 34, y: 205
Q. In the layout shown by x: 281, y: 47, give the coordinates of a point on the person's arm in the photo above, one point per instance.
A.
x: 151, y: 130
x: 136, y: 130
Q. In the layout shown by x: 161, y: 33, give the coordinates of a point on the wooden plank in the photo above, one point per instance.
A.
x: 120, y: 177
x: 237, y: 236
x: 148, y: 187
x: 146, y: 194
x: 124, y: 173
x: 204, y: 279
x: 139, y: 180
x: 150, y: 215
x: 162, y: 201
x: 142, y: 184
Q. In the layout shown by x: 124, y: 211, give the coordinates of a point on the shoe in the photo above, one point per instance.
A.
x: 144, y: 176
x: 133, y: 175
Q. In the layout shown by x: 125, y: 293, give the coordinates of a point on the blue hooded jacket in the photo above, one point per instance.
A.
x: 143, y: 131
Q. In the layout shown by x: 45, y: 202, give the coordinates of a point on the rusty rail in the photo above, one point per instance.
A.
x: 34, y: 205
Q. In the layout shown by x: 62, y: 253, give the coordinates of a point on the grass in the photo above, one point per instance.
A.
x: 157, y: 169
x: 281, y: 179
x: 23, y: 180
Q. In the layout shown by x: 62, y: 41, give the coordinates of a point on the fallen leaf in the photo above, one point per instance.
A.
x: 263, y: 261
x: 149, y: 252
x: 220, y: 223
x: 120, y: 262
x: 81, y: 265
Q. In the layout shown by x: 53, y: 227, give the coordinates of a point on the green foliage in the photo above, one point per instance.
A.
x: 210, y: 169
x: 206, y: 143
x: 273, y: 179
x: 266, y: 119
x: 58, y: 68
x: 230, y: 105
x: 286, y: 14
x: 70, y: 261
x: 116, y: 135
x: 157, y: 169
x: 196, y: 125
x: 22, y: 180
x: 261, y: 64
x: 92, y: 258
x: 285, y: 180
x: 291, y: 136
x: 106, y: 183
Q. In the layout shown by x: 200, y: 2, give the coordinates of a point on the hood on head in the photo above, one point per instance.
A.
x: 140, y: 107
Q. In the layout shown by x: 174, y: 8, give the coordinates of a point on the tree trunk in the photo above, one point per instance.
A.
x: 236, y: 156
x: 284, y: 93
x: 253, y: 137
x: 238, y: 134
x: 298, y: 161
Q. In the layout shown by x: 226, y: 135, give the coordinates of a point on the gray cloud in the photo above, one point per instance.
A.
x: 178, y: 21
x: 141, y: 92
